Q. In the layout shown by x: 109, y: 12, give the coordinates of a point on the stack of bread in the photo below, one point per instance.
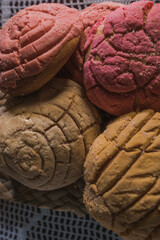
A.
x: 54, y: 150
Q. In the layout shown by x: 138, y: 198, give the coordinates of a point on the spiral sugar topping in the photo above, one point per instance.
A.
x: 45, y: 138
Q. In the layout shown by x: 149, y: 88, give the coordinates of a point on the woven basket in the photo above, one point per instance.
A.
x: 65, y: 199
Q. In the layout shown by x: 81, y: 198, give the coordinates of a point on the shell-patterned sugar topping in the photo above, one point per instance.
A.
x: 122, y: 174
x: 90, y: 16
x: 121, y: 72
x: 45, y: 137
x: 37, y: 38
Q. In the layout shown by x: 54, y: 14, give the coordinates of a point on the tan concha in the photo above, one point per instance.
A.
x: 122, y: 174
x: 44, y: 137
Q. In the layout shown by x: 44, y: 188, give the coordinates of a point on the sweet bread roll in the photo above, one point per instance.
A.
x: 122, y: 68
x: 45, y: 137
x: 90, y: 16
x: 35, y: 44
x: 68, y: 198
x: 122, y: 174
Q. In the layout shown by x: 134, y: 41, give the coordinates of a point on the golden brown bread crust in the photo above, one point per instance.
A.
x: 45, y: 137
x: 122, y: 173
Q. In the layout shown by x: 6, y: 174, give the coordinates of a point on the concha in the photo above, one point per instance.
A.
x: 44, y: 137
x: 122, y: 174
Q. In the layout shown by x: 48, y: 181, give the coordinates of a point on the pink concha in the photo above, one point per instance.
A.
x: 33, y: 37
x: 90, y: 16
x: 122, y: 69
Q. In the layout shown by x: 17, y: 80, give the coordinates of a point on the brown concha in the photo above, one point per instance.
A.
x: 122, y: 174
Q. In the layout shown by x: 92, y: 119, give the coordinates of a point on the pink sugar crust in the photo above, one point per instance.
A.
x: 90, y: 16
x: 122, y: 71
x: 33, y: 37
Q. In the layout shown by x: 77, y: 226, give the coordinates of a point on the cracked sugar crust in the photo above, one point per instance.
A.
x: 45, y: 137
x: 121, y: 72
x: 90, y: 16
x: 122, y: 174
x: 32, y: 38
